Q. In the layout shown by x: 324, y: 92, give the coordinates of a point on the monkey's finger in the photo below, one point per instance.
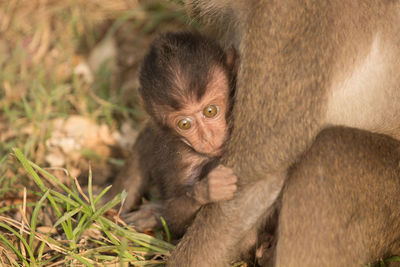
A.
x: 230, y: 179
x: 146, y: 211
x: 221, y: 172
x: 222, y: 184
x: 145, y: 223
x: 224, y: 180
x: 225, y: 195
x: 222, y: 169
x: 231, y: 188
x: 223, y: 192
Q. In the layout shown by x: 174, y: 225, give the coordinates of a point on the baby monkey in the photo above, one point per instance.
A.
x: 187, y: 83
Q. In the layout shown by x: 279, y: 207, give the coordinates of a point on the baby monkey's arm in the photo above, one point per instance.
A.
x: 181, y: 207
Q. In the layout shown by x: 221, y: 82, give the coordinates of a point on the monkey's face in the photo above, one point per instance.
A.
x: 202, y: 123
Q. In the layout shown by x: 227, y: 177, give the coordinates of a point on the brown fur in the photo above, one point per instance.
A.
x: 182, y: 74
x: 187, y: 180
x: 341, y: 204
x: 134, y: 177
x: 298, y: 58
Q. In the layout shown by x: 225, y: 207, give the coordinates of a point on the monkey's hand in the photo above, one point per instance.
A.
x: 220, y: 184
x: 147, y: 217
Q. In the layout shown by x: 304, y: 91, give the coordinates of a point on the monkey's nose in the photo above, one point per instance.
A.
x: 210, y: 146
x: 208, y: 138
x: 206, y: 135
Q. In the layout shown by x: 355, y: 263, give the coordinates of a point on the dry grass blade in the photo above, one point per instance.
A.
x: 44, y: 104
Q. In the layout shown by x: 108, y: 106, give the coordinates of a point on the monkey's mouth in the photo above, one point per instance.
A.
x: 218, y: 152
x: 214, y: 153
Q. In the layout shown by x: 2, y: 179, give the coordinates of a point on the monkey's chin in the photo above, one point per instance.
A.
x: 214, y: 153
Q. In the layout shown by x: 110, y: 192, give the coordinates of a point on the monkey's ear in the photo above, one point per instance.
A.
x: 232, y: 59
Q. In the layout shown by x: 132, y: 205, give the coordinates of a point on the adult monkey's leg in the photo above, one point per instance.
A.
x: 341, y: 203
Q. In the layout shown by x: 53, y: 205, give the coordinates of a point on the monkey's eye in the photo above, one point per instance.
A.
x: 185, y: 124
x: 210, y: 111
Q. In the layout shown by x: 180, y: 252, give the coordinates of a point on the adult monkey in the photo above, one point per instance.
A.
x: 304, y: 65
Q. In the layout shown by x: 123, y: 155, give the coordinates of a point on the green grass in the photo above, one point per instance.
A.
x: 44, y: 218
x: 76, y: 216
x: 36, y: 87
